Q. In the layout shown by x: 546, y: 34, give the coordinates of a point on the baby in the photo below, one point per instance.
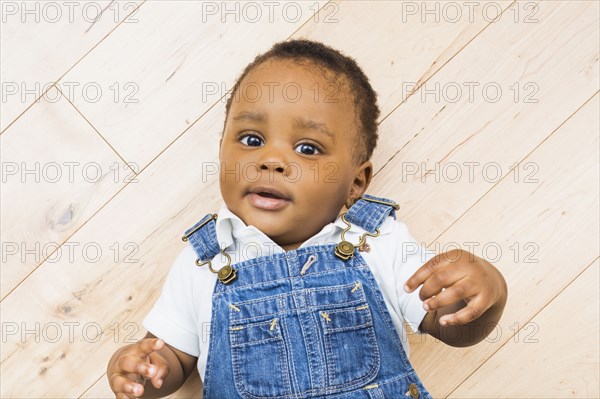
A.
x: 299, y: 285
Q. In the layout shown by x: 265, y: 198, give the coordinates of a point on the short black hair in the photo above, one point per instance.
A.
x: 326, y: 58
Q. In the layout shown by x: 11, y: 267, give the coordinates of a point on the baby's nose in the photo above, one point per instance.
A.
x: 274, y: 160
x: 273, y: 165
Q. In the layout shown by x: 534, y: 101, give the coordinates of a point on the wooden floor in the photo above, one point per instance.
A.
x: 101, y: 176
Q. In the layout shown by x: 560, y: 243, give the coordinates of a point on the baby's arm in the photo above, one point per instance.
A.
x: 170, y: 365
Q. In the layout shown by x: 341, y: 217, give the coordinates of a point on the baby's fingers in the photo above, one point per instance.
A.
x: 148, y: 345
x: 123, y: 387
x: 133, y: 364
x: 475, y: 308
x: 456, y: 292
x: 162, y: 367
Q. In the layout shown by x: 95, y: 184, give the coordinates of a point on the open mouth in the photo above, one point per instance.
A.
x: 269, y: 195
x: 267, y: 201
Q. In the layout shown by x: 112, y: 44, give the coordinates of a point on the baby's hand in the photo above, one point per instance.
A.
x: 136, y: 363
x: 464, y: 277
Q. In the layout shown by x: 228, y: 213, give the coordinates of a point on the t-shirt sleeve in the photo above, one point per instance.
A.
x: 410, y: 257
x: 173, y: 317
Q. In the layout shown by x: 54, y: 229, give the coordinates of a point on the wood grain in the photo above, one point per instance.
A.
x: 172, y: 75
x: 537, y: 361
x: 57, y: 173
x: 41, y: 41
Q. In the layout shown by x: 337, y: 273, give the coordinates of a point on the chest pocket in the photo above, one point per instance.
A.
x: 351, y: 351
x: 260, y: 365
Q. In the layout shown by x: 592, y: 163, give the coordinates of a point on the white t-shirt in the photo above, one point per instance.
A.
x: 182, y: 314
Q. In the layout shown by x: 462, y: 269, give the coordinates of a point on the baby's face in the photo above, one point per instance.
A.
x: 292, y: 131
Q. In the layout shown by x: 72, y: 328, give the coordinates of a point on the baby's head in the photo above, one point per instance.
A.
x: 301, y: 122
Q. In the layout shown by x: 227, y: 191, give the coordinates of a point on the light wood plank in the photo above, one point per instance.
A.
x: 546, y: 234
x: 554, y: 355
x: 416, y: 44
x: 41, y: 40
x: 488, y: 136
x: 416, y: 48
x: 57, y: 172
x: 171, y: 60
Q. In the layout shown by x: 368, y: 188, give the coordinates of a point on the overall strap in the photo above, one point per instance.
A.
x: 203, y: 237
x: 369, y: 212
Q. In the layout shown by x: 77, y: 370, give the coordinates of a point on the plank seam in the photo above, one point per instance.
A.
x: 72, y: 66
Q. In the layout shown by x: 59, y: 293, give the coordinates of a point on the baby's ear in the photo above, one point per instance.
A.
x: 361, y: 182
x: 363, y: 178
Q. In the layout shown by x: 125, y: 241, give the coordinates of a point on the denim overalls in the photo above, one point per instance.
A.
x: 304, y: 323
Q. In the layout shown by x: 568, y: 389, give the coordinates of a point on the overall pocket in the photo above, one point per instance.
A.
x: 352, y: 353
x: 259, y: 359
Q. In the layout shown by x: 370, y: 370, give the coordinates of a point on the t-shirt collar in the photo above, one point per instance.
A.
x: 230, y: 226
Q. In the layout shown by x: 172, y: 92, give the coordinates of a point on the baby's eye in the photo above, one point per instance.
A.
x: 308, y: 149
x: 253, y: 140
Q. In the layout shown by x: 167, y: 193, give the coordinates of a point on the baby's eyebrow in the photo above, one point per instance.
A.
x: 309, y: 124
x: 250, y: 116
x: 299, y: 122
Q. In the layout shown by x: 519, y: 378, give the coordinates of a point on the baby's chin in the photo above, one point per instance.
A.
x: 270, y: 223
x: 278, y: 227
